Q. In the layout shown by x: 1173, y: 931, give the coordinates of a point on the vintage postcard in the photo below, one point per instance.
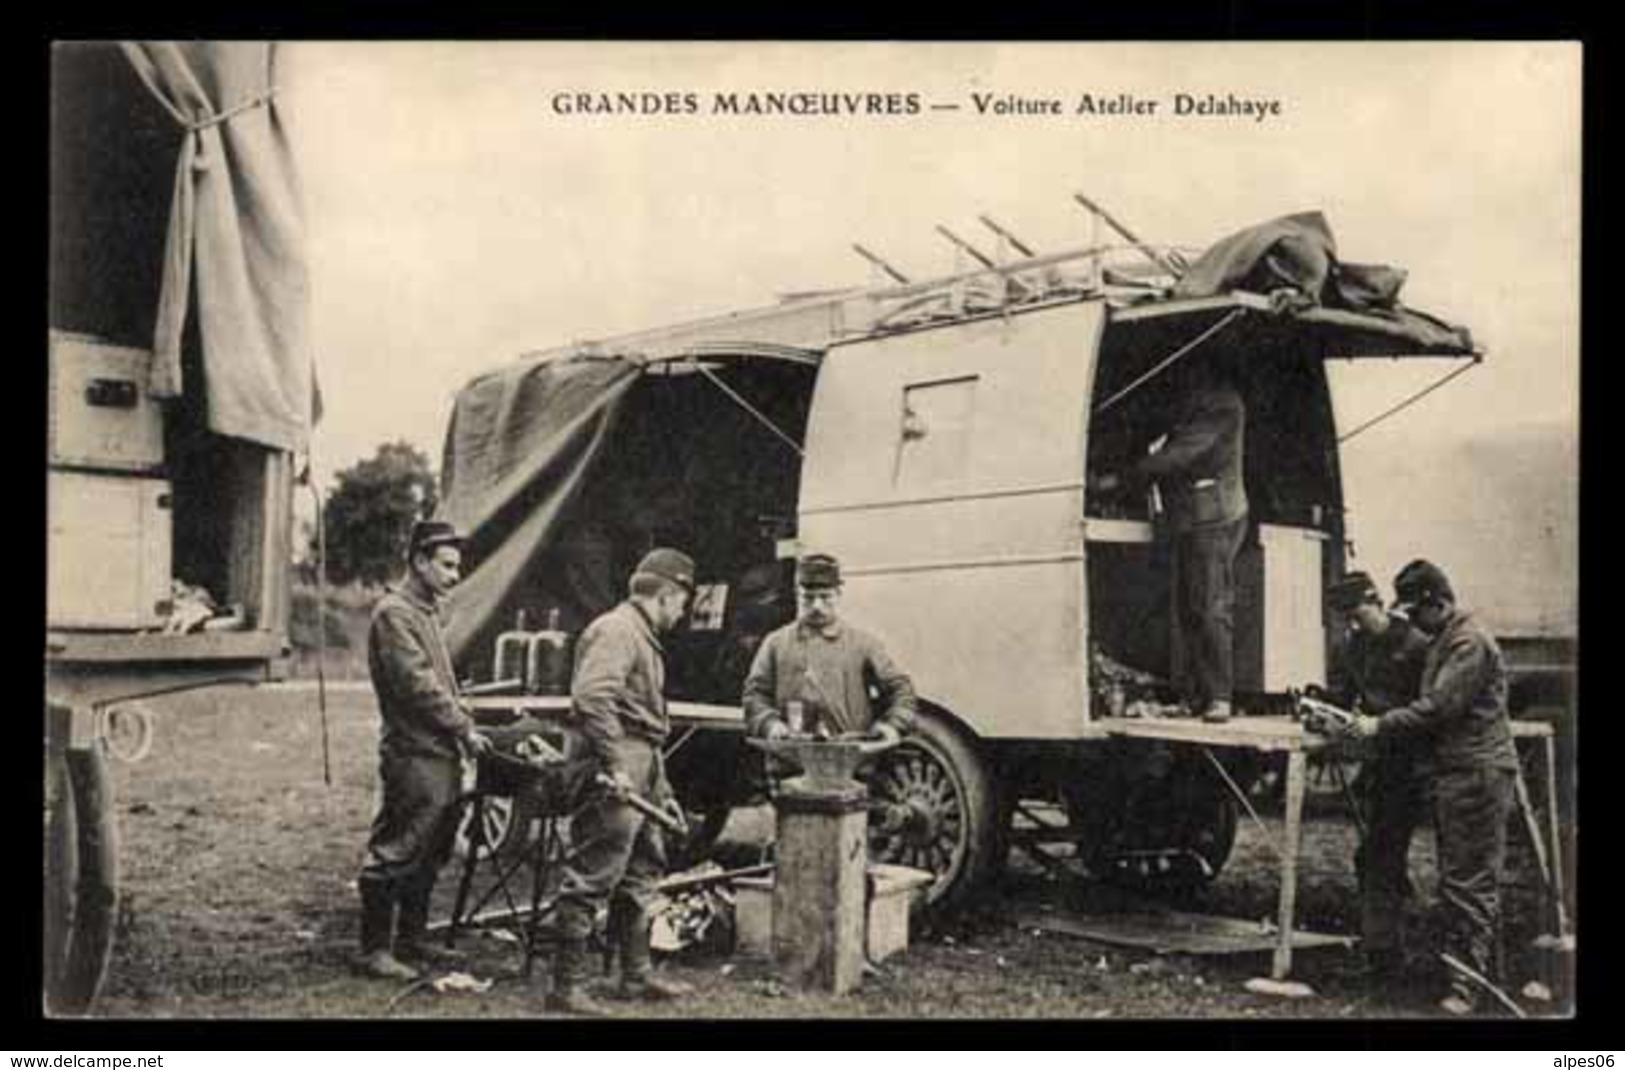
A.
x: 850, y: 529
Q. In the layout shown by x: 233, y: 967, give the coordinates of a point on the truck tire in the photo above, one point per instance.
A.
x: 1148, y: 834
x: 934, y: 806
x: 81, y: 879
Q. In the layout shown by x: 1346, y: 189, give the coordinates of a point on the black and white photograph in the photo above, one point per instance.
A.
x: 812, y: 530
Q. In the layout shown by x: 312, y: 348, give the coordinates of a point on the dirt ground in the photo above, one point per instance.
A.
x: 238, y: 902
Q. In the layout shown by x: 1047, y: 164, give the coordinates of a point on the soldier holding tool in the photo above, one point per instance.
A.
x: 1378, y: 668
x: 817, y: 670
x: 620, y: 720
x: 425, y: 734
x: 1460, y: 719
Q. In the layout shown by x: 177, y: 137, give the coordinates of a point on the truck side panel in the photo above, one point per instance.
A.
x: 944, y: 467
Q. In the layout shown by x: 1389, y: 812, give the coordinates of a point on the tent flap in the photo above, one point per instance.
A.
x: 519, y: 447
x: 235, y: 241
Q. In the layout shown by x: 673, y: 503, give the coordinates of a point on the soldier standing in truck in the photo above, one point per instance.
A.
x: 1199, y: 473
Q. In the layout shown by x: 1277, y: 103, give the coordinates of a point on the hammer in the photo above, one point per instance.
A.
x: 667, y: 820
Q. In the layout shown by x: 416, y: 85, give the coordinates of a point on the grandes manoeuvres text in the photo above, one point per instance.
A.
x: 1193, y: 105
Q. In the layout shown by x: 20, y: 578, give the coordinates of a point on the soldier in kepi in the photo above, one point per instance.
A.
x: 1376, y: 669
x: 817, y: 670
x: 426, y: 732
x: 619, y: 717
x: 1459, y: 721
x: 1199, y: 474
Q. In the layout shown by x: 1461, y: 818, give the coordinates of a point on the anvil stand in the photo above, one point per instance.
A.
x: 822, y: 857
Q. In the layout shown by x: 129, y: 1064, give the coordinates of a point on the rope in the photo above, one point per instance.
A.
x: 747, y: 406
x: 1418, y: 396
x: 321, y: 628
x: 1177, y: 354
x: 1245, y: 802
x: 145, y: 71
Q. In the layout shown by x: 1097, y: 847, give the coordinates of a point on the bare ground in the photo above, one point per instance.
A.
x: 238, y: 901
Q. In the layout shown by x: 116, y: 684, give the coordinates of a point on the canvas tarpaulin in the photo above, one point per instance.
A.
x: 520, y: 444
x: 236, y: 239
x: 1298, y: 253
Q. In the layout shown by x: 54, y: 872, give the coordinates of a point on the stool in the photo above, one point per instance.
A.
x: 553, y: 792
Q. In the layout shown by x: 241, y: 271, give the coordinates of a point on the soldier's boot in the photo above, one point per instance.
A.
x: 1217, y: 712
x: 569, y: 975
x: 412, y: 941
x: 377, y: 923
x: 638, y: 979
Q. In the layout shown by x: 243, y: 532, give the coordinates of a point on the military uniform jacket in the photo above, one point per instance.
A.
x: 1200, y: 467
x: 1461, y: 713
x: 1380, y: 671
x: 830, y: 672
x: 618, y: 688
x: 413, y: 678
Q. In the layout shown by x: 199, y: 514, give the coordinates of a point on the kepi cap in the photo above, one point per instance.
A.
x: 669, y: 564
x: 818, y: 570
x: 1422, y: 581
x: 428, y: 534
x: 1354, y: 589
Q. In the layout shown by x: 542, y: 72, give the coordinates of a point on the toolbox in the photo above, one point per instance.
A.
x: 101, y: 412
x: 108, y: 550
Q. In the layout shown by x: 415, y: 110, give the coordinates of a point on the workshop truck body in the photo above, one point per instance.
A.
x: 941, y: 440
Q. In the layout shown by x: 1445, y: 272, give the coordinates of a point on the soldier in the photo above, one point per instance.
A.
x: 825, y: 666
x: 620, y: 720
x: 425, y: 734
x: 1199, y: 472
x: 1377, y: 668
x: 1460, y: 720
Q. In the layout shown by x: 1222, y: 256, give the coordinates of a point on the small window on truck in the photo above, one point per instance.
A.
x: 934, y: 431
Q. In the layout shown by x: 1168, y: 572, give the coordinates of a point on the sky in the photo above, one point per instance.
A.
x: 457, y: 218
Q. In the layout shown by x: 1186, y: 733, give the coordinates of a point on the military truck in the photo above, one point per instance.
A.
x: 179, y: 393
x: 941, y: 439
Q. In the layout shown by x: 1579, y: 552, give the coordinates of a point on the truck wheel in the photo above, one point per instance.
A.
x: 933, y: 807
x: 1170, y: 835
x: 81, y: 873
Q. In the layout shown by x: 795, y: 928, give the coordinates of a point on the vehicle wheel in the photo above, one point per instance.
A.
x: 81, y: 890
x: 933, y: 807
x: 504, y: 831
x: 1170, y: 833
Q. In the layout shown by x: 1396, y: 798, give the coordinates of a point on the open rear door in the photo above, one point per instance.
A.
x: 944, y: 468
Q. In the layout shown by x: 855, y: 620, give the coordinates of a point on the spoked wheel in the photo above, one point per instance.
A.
x: 932, y: 807
x: 81, y: 874
x: 503, y: 827
x: 1168, y: 830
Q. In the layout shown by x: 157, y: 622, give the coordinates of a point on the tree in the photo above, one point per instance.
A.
x: 370, y: 512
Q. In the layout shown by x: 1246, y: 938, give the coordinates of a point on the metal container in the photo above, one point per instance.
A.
x: 549, y: 659
x: 509, y: 663
x: 108, y: 551
x: 100, y: 413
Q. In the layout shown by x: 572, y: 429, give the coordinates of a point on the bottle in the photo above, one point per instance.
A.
x: 550, y: 659
x: 509, y: 663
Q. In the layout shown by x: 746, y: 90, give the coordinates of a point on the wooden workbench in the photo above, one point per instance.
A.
x: 1282, y: 734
